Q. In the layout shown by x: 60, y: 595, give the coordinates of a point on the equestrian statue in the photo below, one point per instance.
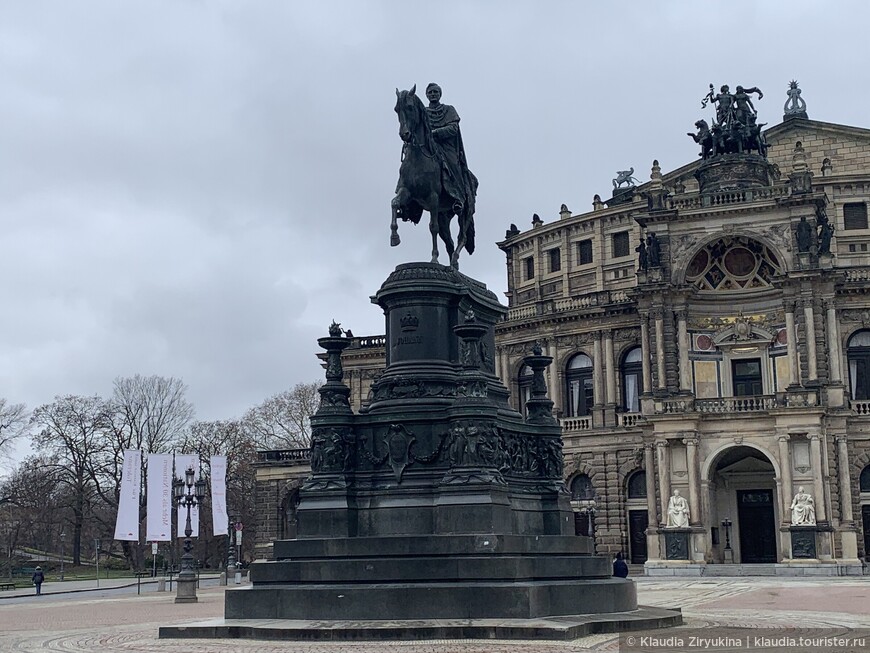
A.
x: 434, y: 174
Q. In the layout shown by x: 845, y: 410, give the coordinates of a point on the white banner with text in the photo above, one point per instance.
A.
x: 127, y: 522
x: 158, y: 525
x: 219, y: 519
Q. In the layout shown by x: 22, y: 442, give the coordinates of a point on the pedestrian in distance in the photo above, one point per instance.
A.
x: 620, y: 569
x: 38, y: 580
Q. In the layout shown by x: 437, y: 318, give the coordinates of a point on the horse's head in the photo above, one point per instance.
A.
x: 409, y: 109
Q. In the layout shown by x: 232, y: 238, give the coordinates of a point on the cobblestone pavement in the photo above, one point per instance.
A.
x: 129, y: 624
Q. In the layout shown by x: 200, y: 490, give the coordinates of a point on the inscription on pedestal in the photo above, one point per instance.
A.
x: 803, y: 543
x: 676, y: 545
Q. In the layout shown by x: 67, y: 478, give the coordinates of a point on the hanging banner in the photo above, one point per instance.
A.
x: 158, y: 525
x: 183, y: 462
x: 219, y: 494
x: 127, y: 522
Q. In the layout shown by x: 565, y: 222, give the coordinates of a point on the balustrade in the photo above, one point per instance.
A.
x: 861, y: 406
x: 576, y: 423
x: 285, y: 456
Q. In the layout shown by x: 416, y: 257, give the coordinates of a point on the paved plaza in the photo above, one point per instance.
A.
x: 127, y: 623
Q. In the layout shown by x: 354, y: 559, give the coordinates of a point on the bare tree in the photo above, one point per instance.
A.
x: 226, y: 438
x: 70, y: 432
x: 32, y: 516
x: 284, y: 420
x: 13, y: 422
x: 148, y: 413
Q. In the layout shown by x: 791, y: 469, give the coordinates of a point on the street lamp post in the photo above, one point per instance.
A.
x: 62, y: 542
x: 187, y: 494
x: 231, y: 550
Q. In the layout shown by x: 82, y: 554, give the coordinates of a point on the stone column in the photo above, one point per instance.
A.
x: 664, y: 454
x: 812, y: 362
x: 652, y: 540
x: 785, y: 474
x: 818, y: 487
x: 649, y: 466
x: 684, y: 346
x: 834, y: 345
x: 610, y: 369
x: 791, y: 346
x: 695, y: 518
x: 555, y: 376
x: 660, y: 349
x: 498, y: 364
x: 846, y: 516
x: 597, y: 370
x: 645, y: 352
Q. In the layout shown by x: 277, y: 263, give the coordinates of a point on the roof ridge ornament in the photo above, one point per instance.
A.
x: 795, y: 106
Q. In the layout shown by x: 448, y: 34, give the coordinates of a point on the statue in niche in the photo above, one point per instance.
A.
x: 678, y: 511
x: 653, y: 251
x: 642, y: 258
x: 804, y: 235
x: 826, y: 231
x: 803, y: 509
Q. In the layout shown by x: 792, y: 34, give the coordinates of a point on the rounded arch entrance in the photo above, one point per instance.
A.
x: 743, y: 499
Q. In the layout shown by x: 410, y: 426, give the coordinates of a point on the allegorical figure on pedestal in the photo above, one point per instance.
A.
x: 803, y: 509
x: 678, y: 511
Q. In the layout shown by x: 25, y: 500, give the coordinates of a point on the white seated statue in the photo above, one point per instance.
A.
x: 678, y: 511
x: 803, y: 509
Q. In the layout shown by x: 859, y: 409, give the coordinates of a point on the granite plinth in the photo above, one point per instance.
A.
x: 548, y: 628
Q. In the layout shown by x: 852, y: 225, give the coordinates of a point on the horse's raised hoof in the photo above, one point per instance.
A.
x: 394, y: 240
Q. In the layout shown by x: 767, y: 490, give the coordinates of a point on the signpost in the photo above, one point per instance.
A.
x: 97, y: 558
x: 238, y: 578
x: 154, y: 559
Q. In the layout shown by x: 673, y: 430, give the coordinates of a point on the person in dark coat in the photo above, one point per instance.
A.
x: 620, y: 569
x: 38, y: 580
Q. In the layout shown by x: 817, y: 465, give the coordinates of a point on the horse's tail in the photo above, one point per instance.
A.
x: 469, y: 236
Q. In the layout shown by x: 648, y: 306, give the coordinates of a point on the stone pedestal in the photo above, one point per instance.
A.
x: 438, y: 501
x: 438, y: 481
x: 186, y: 588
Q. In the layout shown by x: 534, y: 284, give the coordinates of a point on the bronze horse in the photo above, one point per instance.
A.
x: 420, y: 182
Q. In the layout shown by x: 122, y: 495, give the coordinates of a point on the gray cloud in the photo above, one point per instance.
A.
x: 197, y: 189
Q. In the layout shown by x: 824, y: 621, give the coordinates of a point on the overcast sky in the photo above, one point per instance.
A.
x: 196, y: 189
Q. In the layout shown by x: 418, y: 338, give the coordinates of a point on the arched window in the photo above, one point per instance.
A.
x: 864, y: 483
x: 632, y: 380
x: 579, y: 398
x: 581, y: 488
x: 858, y: 355
x: 637, y: 485
x: 525, y: 384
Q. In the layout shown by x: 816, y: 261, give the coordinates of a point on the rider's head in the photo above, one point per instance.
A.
x: 433, y: 92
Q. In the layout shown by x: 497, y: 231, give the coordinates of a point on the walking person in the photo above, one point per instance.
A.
x: 38, y: 580
x: 620, y: 568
